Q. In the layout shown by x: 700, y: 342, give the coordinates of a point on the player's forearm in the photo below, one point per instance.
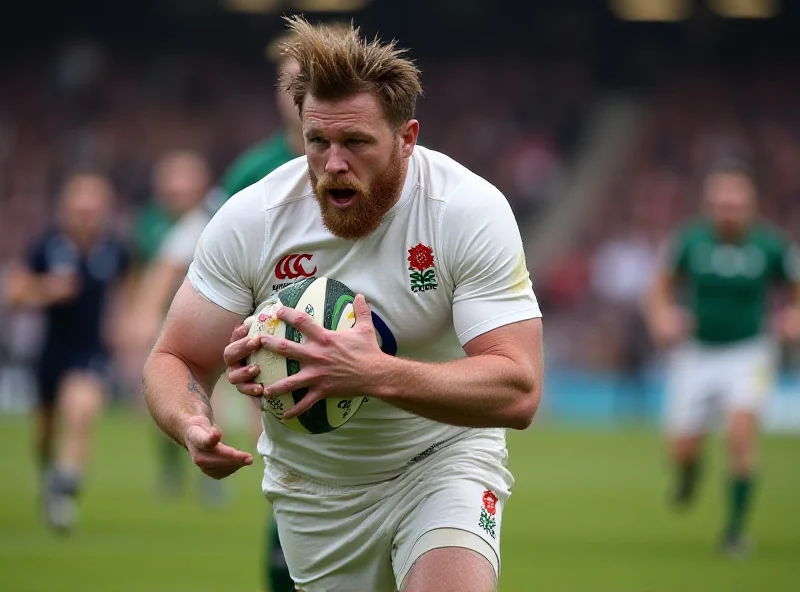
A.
x: 659, y: 298
x: 478, y: 391
x: 174, y: 393
x: 26, y: 290
x: 158, y: 285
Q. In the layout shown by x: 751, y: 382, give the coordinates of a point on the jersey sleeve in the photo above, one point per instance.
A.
x: 181, y: 240
x: 482, y: 251
x: 230, y: 253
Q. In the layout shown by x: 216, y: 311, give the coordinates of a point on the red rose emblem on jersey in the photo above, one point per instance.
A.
x: 262, y: 318
x: 420, y: 257
x: 490, y: 502
x: 421, y: 268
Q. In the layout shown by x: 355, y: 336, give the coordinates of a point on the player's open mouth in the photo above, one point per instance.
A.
x: 342, y: 198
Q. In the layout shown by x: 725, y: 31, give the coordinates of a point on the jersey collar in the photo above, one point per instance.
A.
x: 409, y: 185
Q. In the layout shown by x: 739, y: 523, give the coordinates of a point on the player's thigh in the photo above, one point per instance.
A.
x: 451, y: 569
x: 458, y: 507
x: 333, y: 539
x: 689, y: 401
x: 750, y: 377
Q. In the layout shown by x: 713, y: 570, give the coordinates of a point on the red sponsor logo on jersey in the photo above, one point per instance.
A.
x: 292, y: 267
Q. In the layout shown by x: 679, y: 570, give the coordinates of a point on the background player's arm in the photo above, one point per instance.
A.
x: 161, y: 278
x: 180, y: 373
x: 790, y: 272
x: 25, y: 287
x: 154, y: 292
x: 667, y: 322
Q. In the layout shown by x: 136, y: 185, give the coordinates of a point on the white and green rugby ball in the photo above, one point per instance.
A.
x: 330, y: 304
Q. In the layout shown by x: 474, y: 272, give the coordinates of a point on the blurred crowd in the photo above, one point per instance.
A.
x: 515, y: 121
x: 594, y: 290
x: 122, y: 110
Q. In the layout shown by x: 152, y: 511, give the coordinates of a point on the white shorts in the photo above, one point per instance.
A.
x: 366, y: 538
x: 705, y: 380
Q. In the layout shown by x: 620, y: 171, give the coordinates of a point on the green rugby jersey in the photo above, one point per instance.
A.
x: 149, y: 230
x: 729, y: 282
x: 256, y: 163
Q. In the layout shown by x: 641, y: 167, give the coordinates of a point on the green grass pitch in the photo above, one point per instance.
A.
x: 588, y: 512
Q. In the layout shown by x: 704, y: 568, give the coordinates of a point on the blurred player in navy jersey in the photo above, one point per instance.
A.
x: 73, y: 274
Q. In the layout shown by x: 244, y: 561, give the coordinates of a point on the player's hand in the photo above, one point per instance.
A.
x: 204, y: 442
x: 60, y: 287
x: 239, y: 373
x: 789, y: 324
x: 670, y: 326
x: 332, y: 363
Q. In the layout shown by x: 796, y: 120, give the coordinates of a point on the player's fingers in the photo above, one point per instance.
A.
x: 236, y: 351
x: 301, y: 321
x: 283, y: 347
x: 230, y: 455
x: 291, y: 383
x: 240, y: 374
x: 303, y: 405
x: 251, y: 389
x: 218, y: 470
x: 239, y: 332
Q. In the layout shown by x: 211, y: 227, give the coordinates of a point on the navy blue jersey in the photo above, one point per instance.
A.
x: 76, y: 325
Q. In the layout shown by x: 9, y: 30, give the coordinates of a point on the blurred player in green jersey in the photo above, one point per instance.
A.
x: 178, y: 247
x: 729, y: 262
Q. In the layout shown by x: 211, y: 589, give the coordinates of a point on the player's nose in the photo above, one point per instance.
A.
x: 336, y: 163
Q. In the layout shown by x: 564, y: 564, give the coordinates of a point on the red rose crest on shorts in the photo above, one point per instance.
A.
x: 421, y: 268
x: 487, y: 521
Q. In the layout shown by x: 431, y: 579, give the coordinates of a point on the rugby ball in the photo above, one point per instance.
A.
x: 330, y: 304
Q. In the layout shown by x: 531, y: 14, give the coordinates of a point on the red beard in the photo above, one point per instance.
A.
x: 371, y: 204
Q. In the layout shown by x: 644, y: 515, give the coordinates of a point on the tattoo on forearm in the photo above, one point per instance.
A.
x: 194, y: 387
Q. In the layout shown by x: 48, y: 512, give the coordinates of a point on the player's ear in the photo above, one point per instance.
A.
x: 408, y: 133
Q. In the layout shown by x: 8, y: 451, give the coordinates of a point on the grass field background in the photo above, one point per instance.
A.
x: 588, y: 513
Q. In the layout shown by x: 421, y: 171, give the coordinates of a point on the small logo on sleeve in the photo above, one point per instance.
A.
x: 421, y: 268
x: 487, y: 520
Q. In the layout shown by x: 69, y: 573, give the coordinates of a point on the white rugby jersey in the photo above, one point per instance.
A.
x: 445, y: 265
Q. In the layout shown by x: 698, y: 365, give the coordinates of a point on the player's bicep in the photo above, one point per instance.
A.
x: 197, y: 331
x: 520, y: 342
